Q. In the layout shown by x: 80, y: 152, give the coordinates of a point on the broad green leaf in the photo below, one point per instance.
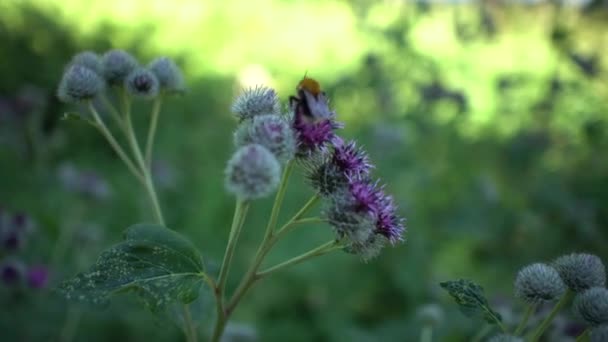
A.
x: 471, y: 300
x: 157, y: 264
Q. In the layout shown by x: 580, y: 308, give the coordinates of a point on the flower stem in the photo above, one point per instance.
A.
x: 297, y: 218
x: 237, y: 223
x: 426, y: 335
x: 522, y: 325
x: 545, y: 324
x: 152, y: 129
x: 318, y: 251
x: 149, y: 185
x: 114, y: 113
x: 100, y: 125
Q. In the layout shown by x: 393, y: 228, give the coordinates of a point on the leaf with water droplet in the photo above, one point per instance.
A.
x: 157, y: 264
x: 471, y: 300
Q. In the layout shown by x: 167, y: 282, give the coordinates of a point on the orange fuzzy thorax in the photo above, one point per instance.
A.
x: 310, y: 85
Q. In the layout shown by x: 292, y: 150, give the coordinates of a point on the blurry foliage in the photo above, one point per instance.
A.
x: 490, y: 121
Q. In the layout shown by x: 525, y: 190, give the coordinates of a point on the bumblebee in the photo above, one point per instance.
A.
x: 310, y: 102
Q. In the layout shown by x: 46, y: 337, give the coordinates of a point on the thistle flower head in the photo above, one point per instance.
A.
x: 388, y: 223
x: 366, y: 195
x: 117, y: 65
x: 270, y: 131
x: 313, y: 136
x: 37, y: 277
x: 581, y: 271
x: 592, y: 305
x: 88, y: 59
x: 142, y: 83
x: 368, y: 249
x: 325, y: 177
x: 169, y: 75
x: 353, y: 226
x: 256, y: 101
x: 505, y: 338
x: 599, y: 333
x: 537, y: 283
x: 252, y: 172
x: 351, y: 160
x: 79, y: 83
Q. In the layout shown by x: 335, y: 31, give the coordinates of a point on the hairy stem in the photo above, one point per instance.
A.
x: 426, y: 335
x: 318, y: 251
x: 583, y: 337
x: 152, y: 129
x: 237, y: 223
x: 100, y: 125
x: 524, y: 322
x: 545, y: 324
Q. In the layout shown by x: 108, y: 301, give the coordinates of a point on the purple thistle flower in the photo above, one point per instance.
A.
x: 314, y: 135
x: 388, y: 223
x: 351, y: 160
x: 37, y: 277
x: 367, y: 195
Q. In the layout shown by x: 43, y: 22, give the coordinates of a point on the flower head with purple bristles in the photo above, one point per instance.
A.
x: 313, y: 135
x: 351, y: 160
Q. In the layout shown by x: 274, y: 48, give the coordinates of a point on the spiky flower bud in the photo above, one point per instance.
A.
x: 88, y: 59
x: 117, y: 65
x: 252, y: 172
x: 169, y: 75
x: 430, y: 314
x: 505, y: 338
x: 79, y: 83
x: 581, y: 271
x: 368, y: 249
x: 256, y: 101
x: 142, y: 83
x: 537, y: 283
x: 599, y: 333
x: 592, y: 305
x: 270, y: 131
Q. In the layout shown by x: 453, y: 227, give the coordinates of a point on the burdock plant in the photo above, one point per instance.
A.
x: 162, y: 267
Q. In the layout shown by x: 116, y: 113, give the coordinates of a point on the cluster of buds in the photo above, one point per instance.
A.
x: 14, y: 229
x: 89, y: 74
x: 362, y: 215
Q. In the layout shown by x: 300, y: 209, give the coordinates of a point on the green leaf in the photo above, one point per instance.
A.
x: 471, y: 300
x: 157, y: 264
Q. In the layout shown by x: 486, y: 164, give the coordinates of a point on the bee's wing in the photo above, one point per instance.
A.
x: 318, y: 106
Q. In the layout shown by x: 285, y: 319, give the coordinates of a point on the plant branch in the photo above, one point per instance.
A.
x: 545, y: 324
x: 522, y: 325
x: 325, y: 248
x: 152, y: 129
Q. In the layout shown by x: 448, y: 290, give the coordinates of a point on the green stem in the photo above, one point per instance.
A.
x: 287, y: 227
x: 426, y: 335
x: 152, y: 130
x: 114, y: 113
x: 545, y: 324
x: 189, y: 329
x: 583, y: 337
x: 522, y: 325
x: 318, y: 251
x: 237, y: 223
x: 149, y: 185
x: 114, y: 144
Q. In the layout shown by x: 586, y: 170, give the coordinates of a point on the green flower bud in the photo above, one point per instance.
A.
x: 117, y: 65
x: 368, y: 249
x: 599, y: 333
x: 79, y: 83
x: 430, y: 314
x: 270, y: 131
x: 505, y: 338
x: 169, y: 75
x: 252, y: 172
x: 142, y: 83
x: 88, y: 59
x: 256, y: 101
x: 592, y: 305
x: 581, y: 271
x: 537, y: 283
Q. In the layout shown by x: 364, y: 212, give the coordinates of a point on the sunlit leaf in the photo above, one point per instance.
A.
x: 471, y: 300
x: 157, y: 264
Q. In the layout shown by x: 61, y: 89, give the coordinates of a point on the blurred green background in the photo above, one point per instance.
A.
x: 488, y: 122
